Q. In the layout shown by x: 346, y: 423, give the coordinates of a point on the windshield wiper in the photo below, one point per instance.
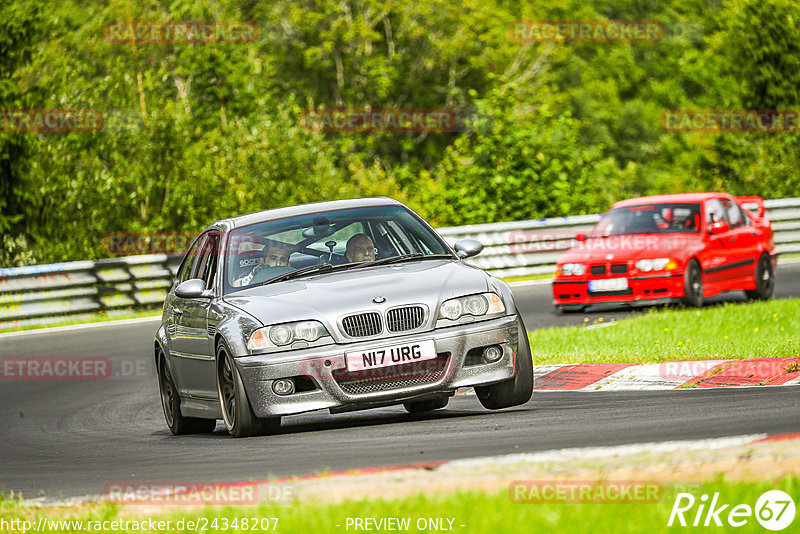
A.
x: 402, y: 257
x: 311, y: 269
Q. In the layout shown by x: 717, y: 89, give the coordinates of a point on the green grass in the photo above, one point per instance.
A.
x: 97, y: 318
x: 512, y: 279
x: 728, y: 331
x: 478, y: 512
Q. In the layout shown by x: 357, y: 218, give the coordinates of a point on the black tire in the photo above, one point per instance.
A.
x: 426, y: 406
x: 765, y: 280
x: 170, y: 402
x: 516, y: 390
x: 237, y: 414
x: 693, y: 285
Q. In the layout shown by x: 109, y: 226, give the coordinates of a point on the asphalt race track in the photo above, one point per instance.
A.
x: 72, y: 438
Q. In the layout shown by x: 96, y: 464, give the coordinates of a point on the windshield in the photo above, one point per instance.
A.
x: 650, y: 219
x: 265, y: 251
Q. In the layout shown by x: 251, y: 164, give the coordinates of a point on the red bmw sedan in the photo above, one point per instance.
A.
x: 670, y: 248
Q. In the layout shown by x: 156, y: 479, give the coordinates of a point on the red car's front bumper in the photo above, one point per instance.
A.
x: 645, y: 288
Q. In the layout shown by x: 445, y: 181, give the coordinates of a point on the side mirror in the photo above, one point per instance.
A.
x: 719, y: 227
x: 580, y: 236
x: 192, y: 289
x: 466, y: 248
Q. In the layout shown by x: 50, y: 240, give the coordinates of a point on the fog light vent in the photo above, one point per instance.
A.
x: 283, y: 386
x: 492, y: 354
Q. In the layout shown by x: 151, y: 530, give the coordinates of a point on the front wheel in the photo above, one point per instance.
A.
x: 240, y: 421
x: 516, y: 390
x: 693, y: 285
x: 765, y: 280
x: 170, y: 402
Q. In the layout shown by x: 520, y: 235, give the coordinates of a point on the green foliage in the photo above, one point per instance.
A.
x: 521, y: 163
x: 195, y: 132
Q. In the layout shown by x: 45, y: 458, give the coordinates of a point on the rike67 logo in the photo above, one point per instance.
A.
x: 774, y: 510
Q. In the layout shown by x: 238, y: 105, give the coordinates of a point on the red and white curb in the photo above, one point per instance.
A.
x: 666, y: 375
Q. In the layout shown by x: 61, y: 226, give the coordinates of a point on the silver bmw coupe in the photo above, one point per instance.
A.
x: 342, y: 305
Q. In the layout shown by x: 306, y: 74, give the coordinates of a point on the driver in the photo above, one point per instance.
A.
x: 275, y: 255
x: 360, y: 248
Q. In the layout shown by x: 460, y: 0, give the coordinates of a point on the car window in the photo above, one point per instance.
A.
x: 340, y: 237
x: 185, y: 271
x: 206, y: 264
x: 736, y: 217
x: 670, y: 217
x: 392, y: 231
x: 716, y: 211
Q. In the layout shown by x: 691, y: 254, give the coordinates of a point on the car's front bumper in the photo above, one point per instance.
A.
x: 642, y: 290
x: 326, y: 367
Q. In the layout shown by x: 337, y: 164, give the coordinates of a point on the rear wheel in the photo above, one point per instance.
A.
x: 426, y: 406
x: 765, y: 280
x: 516, y: 390
x: 240, y: 421
x: 693, y: 285
x: 170, y: 402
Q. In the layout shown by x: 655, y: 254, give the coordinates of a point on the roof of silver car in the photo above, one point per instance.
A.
x: 305, y: 209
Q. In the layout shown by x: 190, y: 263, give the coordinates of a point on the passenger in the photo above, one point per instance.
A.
x: 275, y: 255
x: 360, y: 248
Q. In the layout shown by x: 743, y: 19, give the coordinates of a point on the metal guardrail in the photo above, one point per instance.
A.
x: 42, y: 294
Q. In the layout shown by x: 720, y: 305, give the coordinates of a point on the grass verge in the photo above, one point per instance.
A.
x: 526, y: 278
x: 468, y: 512
x: 729, y: 331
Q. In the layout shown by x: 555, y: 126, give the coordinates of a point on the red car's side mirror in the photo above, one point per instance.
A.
x: 719, y: 227
x: 580, y: 236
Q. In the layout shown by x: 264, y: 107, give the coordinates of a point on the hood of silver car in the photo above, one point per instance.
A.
x: 328, y: 297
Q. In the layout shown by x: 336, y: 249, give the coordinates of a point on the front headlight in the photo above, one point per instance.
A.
x: 657, y: 264
x: 475, y: 305
x: 280, y: 335
x: 577, y: 269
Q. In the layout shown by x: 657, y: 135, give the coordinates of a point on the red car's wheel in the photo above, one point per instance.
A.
x: 693, y: 285
x: 765, y: 280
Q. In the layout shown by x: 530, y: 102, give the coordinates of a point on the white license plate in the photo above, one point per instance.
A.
x: 608, y: 284
x: 390, y: 355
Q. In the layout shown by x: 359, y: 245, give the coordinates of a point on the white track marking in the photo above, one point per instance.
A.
x: 69, y: 328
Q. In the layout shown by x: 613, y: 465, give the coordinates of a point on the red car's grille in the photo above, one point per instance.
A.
x: 615, y: 268
x: 619, y: 268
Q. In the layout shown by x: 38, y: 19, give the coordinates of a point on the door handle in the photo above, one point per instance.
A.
x: 177, y: 311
